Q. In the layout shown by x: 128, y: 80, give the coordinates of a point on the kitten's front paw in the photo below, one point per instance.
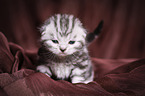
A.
x: 44, y: 69
x: 79, y: 79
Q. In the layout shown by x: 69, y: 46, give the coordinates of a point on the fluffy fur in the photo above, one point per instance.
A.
x: 63, y: 54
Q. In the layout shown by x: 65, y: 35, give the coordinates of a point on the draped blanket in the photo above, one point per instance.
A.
x: 113, y: 77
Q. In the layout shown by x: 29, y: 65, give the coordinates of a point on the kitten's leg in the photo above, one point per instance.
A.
x: 44, y: 69
x: 82, y: 76
x: 77, y: 79
x: 89, y: 79
x: 80, y: 79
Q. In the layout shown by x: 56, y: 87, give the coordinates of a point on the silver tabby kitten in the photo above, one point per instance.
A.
x: 64, y: 54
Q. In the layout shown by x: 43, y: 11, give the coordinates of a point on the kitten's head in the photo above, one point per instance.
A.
x: 63, y: 35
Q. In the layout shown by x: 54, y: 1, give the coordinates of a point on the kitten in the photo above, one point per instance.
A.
x: 63, y: 54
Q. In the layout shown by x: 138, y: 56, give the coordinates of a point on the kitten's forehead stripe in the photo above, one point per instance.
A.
x: 60, y: 34
x: 58, y: 22
x: 61, y: 23
x: 73, y: 23
x: 55, y: 23
x: 70, y: 23
x: 64, y: 24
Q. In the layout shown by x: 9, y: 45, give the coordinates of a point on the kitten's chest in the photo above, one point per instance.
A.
x: 61, y: 70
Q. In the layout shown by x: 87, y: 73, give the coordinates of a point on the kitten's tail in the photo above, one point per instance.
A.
x: 91, y: 36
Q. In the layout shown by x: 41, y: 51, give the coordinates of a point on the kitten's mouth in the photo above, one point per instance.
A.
x: 62, y: 54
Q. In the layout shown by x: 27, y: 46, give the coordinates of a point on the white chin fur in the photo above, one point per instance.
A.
x: 61, y: 54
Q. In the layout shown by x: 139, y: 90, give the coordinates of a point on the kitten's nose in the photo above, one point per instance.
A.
x: 62, y: 50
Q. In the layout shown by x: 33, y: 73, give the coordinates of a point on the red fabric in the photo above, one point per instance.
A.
x: 119, y: 77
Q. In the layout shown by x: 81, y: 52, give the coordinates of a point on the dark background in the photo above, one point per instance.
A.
x: 122, y: 36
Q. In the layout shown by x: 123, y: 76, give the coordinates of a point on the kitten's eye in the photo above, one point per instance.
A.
x: 71, y: 42
x: 54, y: 41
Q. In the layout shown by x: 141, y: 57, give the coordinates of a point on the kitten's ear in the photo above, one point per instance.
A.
x: 91, y: 36
x: 42, y: 29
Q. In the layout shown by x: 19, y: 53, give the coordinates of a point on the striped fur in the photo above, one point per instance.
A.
x: 63, y: 54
